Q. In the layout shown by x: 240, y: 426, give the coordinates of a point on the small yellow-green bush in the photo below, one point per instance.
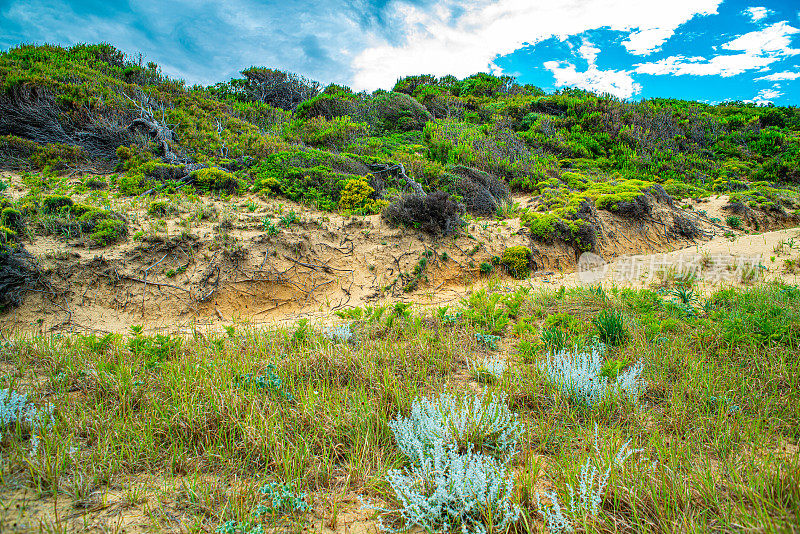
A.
x: 54, y: 203
x: 7, y: 235
x: 356, y: 197
x: 133, y: 184
x: 108, y: 231
x: 517, y: 260
x: 214, y: 179
x: 159, y: 208
x: 12, y: 218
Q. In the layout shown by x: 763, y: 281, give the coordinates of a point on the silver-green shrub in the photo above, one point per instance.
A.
x: 459, y: 449
x: 483, y: 421
x: 15, y: 409
x: 451, y: 491
x: 585, y: 502
x: 578, y: 376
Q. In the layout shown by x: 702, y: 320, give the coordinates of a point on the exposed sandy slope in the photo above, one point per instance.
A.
x: 310, y: 269
x: 181, y: 272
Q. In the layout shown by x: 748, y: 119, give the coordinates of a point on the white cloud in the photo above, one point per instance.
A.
x: 758, y: 49
x: 437, y: 42
x: 588, y: 52
x: 725, y: 66
x: 617, y: 82
x: 778, y: 76
x: 774, y: 38
x: 647, y: 41
x: 765, y: 96
x: 757, y: 13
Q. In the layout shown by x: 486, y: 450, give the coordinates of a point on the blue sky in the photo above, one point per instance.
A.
x: 709, y: 50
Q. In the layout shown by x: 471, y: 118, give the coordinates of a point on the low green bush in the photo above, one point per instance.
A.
x: 734, y: 221
x: 55, y: 203
x: 217, y: 180
x: 108, y: 231
x: 517, y: 260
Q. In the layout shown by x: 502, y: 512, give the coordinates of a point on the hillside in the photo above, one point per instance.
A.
x: 463, y: 305
x: 112, y: 152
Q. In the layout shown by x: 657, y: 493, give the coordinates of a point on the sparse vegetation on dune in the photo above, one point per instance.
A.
x: 706, y: 406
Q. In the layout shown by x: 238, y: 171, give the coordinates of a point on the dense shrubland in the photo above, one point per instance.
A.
x: 90, y: 107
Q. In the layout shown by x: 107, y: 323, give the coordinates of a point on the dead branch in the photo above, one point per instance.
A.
x: 318, y: 267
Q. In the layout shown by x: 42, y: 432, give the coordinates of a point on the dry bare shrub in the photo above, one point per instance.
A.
x: 436, y: 213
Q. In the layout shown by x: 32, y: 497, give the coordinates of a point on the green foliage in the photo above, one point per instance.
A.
x: 7, y: 235
x: 153, y: 351
x: 333, y: 134
x: 160, y: 208
x: 56, y: 203
x: 761, y: 317
x: 485, y: 311
x: 214, y: 179
x: 734, y: 221
x: 612, y: 368
x: 302, y: 333
x: 269, y: 227
x: 133, y: 184
x: 569, y: 150
x: 19, y: 153
x: 307, y: 176
x: 269, y: 382
x: 611, y: 329
x: 517, y: 261
x: 288, y: 219
x: 108, y: 231
x: 281, y: 499
x: 355, y: 196
x: 60, y: 215
x: 12, y: 219
x: 554, y: 339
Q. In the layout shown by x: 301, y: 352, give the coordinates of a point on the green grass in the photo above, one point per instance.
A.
x: 721, y: 405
